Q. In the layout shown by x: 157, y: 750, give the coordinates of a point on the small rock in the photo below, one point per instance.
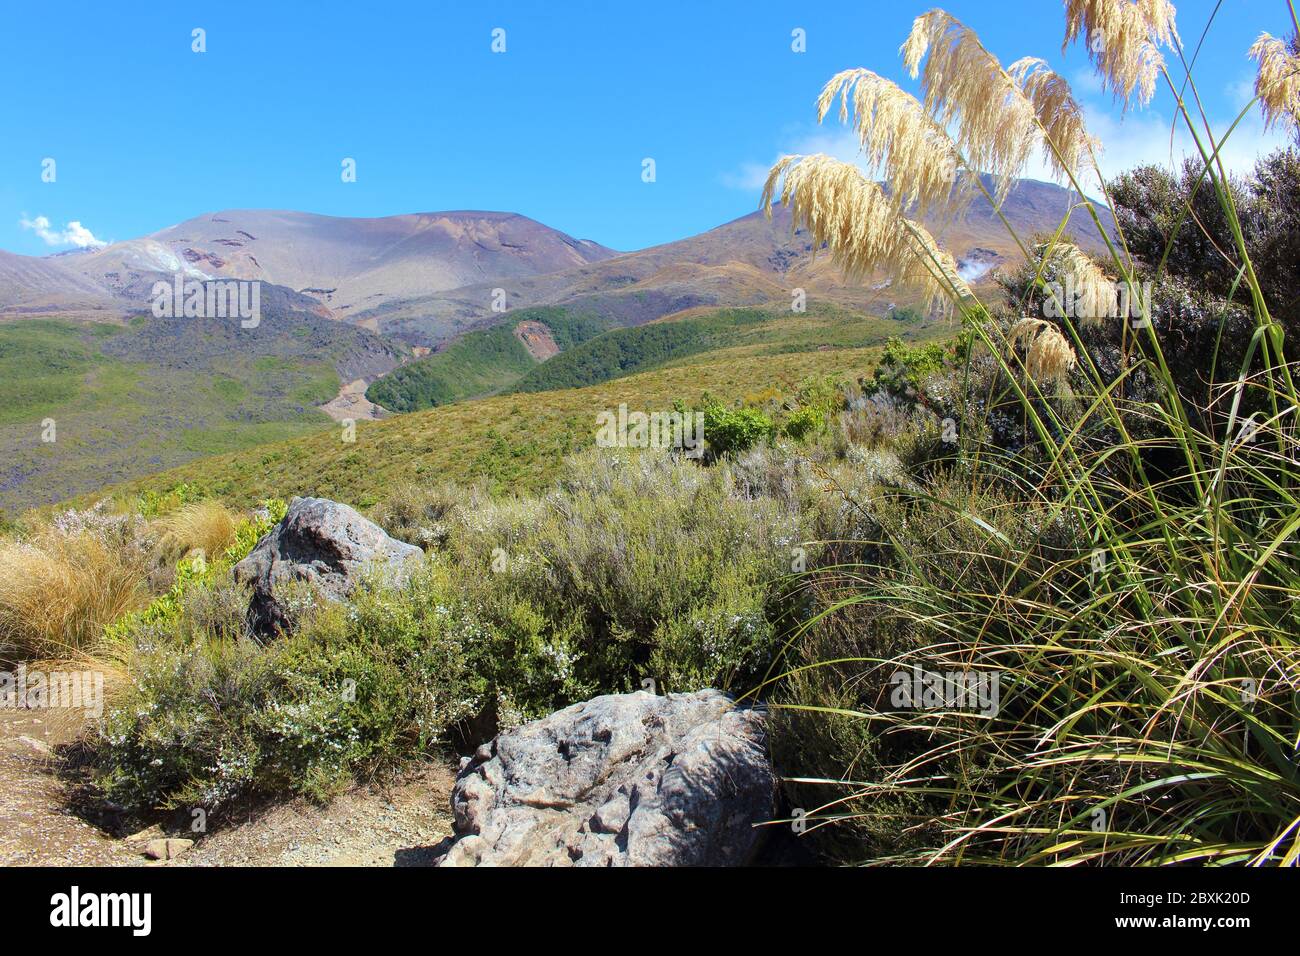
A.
x: 168, y: 849
x: 154, y: 832
x: 39, y: 746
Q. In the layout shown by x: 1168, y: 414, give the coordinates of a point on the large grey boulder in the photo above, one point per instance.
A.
x: 622, y: 780
x: 323, y: 544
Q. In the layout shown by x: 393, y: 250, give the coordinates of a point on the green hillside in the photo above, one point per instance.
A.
x: 478, y: 363
x: 85, y: 405
x: 627, y: 351
x: 512, y: 443
x: 491, y: 361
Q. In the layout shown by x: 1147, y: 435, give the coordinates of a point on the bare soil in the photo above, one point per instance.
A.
x: 537, y: 338
x: 45, y: 822
x: 351, y: 404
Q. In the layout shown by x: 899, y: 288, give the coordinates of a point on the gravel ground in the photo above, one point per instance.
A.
x: 398, y: 823
x: 36, y: 828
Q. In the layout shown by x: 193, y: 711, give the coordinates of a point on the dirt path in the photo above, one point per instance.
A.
x: 398, y: 824
x: 35, y: 827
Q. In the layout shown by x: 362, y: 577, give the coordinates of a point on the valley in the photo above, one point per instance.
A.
x: 352, y: 304
x: 86, y: 403
x: 509, y: 443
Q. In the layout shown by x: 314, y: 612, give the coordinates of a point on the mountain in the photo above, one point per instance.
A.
x: 427, y: 278
x: 356, y: 264
x: 753, y: 260
x: 31, y: 286
x: 346, y: 265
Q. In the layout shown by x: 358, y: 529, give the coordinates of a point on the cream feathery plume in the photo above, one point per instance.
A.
x: 1278, y: 82
x: 1049, y: 356
x: 899, y: 139
x: 1096, y: 295
x: 999, y: 123
x: 1123, y: 38
x: 1058, y: 112
x: 862, y: 227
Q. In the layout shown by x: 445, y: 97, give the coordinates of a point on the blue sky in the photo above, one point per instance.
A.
x: 145, y: 132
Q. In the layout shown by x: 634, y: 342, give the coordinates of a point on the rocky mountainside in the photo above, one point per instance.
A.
x: 753, y: 260
x: 345, y: 265
x: 428, y: 277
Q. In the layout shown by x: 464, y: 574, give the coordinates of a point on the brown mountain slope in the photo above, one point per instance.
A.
x: 350, y: 264
x: 31, y: 286
x: 428, y: 277
x: 749, y: 261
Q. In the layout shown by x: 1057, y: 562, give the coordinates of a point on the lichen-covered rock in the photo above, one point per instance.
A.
x: 621, y: 780
x: 323, y: 544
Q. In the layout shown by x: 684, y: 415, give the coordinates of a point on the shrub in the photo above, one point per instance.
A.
x: 152, y: 504
x: 195, y: 573
x: 601, y: 584
x: 416, y: 514
x: 212, y: 722
x: 731, y: 430
x: 804, y: 423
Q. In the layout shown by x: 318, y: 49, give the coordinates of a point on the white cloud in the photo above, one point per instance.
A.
x: 1139, y: 139
x: 73, y: 234
x: 748, y: 178
x: 839, y: 142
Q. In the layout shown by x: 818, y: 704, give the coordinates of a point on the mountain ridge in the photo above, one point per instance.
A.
x: 427, y: 277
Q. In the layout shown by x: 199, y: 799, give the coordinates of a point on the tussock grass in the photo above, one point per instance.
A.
x: 58, y: 591
x: 1126, y: 566
x: 205, y: 526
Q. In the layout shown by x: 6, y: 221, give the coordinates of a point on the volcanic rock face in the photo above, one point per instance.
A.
x: 324, y: 544
x: 621, y: 780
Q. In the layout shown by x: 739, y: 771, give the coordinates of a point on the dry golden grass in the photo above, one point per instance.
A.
x: 900, y: 140
x: 1097, y: 294
x: 1001, y: 116
x: 1059, y: 115
x: 57, y: 592
x: 1278, y: 83
x: 205, y: 526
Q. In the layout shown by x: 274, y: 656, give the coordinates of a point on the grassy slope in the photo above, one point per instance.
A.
x: 116, y: 417
x: 491, y: 361
x: 513, y: 442
x: 628, y: 351
x: 476, y: 364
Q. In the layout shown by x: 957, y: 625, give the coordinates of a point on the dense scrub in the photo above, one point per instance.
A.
x: 621, y: 352
x: 635, y: 568
x: 480, y: 362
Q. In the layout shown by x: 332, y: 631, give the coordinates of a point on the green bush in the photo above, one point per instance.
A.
x: 213, y: 720
x: 637, y: 567
x: 729, y: 430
